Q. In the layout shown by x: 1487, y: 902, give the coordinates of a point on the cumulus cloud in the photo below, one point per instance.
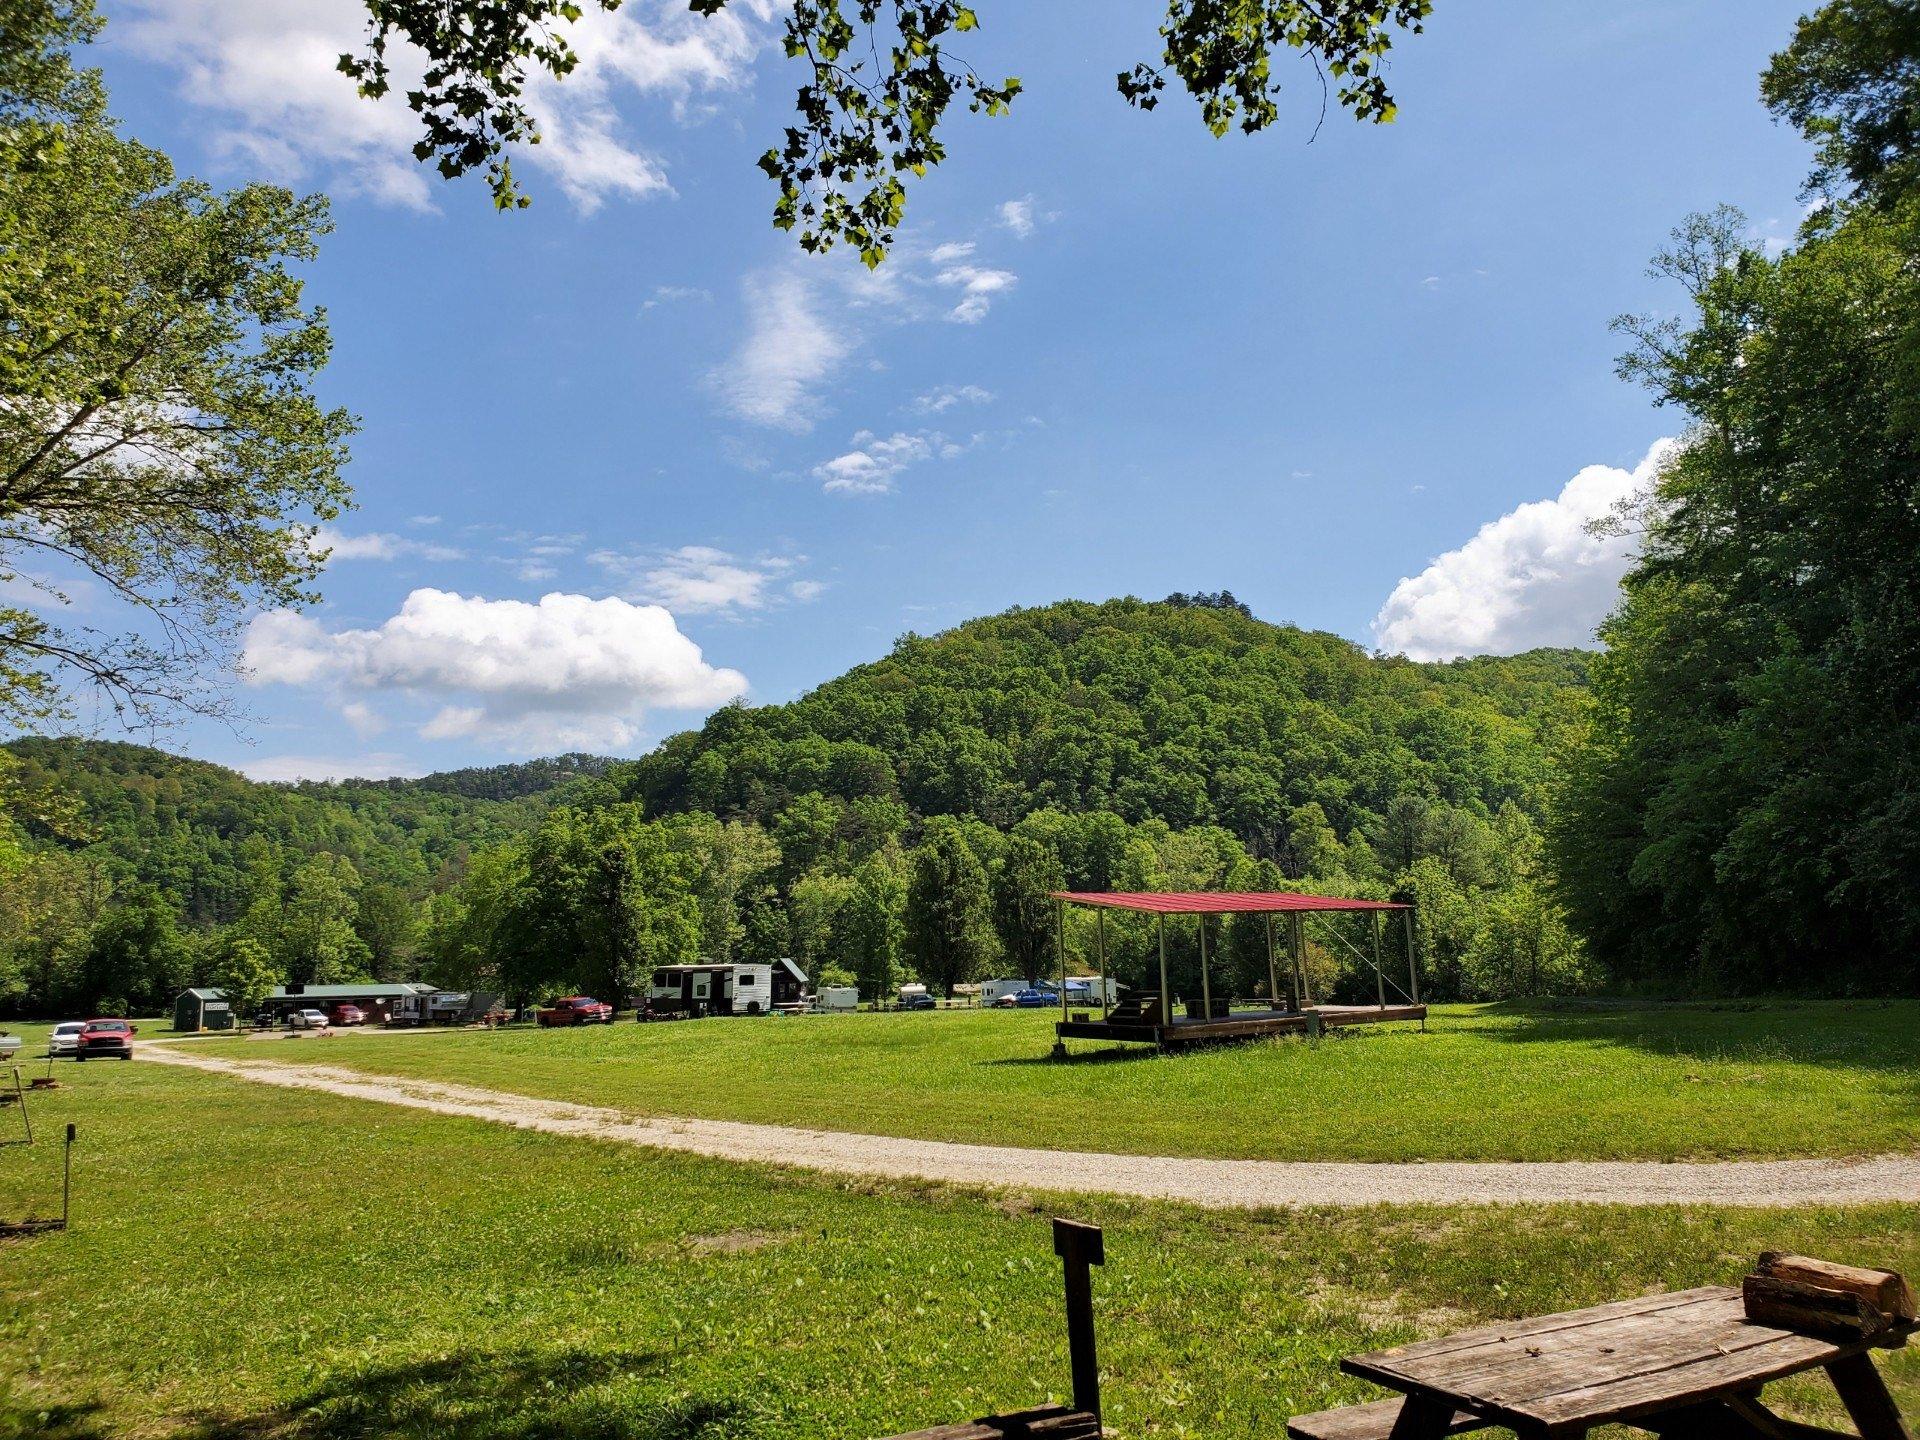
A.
x: 1533, y: 577
x: 377, y: 545
x: 870, y: 466
x: 568, y: 672
x: 944, y: 397
x: 789, y: 351
x: 698, y: 579
x: 978, y: 285
x: 267, y: 69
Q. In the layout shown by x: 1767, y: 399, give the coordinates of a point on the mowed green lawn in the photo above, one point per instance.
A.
x: 249, y: 1262
x: 1483, y: 1082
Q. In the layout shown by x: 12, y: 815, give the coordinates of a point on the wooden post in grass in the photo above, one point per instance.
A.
x: 1080, y: 1246
x: 1273, y: 977
x: 1379, y: 974
x: 1206, y: 991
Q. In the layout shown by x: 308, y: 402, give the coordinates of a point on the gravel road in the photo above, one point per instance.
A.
x: 1220, y: 1184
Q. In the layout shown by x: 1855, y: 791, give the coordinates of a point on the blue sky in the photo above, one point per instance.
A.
x: 628, y: 453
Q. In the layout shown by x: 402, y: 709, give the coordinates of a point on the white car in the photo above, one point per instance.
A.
x: 65, y: 1039
x: 10, y: 1046
x: 308, y: 1019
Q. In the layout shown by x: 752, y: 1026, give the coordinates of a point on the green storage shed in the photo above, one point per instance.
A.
x: 202, y: 1009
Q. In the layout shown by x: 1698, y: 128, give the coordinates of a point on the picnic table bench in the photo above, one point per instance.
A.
x: 1689, y: 1363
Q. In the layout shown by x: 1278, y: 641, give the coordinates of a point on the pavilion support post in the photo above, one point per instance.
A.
x: 1100, y: 926
x: 1413, y: 968
x: 1060, y: 944
x: 1206, y: 991
x: 1273, y: 976
x: 1299, y: 927
x: 1379, y: 974
x: 1166, y: 995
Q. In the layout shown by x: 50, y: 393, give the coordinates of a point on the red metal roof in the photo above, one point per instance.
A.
x: 1224, y: 902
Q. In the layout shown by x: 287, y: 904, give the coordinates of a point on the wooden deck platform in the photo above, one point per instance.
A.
x: 1239, y: 1025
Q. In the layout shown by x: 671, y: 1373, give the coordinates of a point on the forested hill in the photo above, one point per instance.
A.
x: 199, y: 831
x: 1190, y: 711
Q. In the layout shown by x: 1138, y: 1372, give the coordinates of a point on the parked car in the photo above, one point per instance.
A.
x: 345, y: 1014
x: 576, y: 1010
x: 10, y: 1046
x: 65, y: 1039
x: 307, y: 1019
x: 1035, y: 1000
x: 106, y: 1037
x: 922, y: 1001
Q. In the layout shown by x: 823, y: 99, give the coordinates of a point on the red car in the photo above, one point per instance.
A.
x: 344, y: 1014
x: 576, y: 1010
x: 106, y: 1037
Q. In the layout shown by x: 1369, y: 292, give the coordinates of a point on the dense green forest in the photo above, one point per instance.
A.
x: 1744, y: 810
x: 905, y: 818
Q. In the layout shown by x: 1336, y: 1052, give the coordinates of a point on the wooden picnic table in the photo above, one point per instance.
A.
x: 1688, y: 1363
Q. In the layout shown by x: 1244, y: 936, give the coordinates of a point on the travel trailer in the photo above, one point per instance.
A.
x: 727, y: 989
x: 836, y: 999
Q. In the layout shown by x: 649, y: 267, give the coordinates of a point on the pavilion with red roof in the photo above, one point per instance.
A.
x: 1149, y: 1018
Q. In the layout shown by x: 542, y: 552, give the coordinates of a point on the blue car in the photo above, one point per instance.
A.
x: 1035, y: 1000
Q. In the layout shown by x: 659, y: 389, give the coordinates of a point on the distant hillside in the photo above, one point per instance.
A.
x: 195, y: 829
x: 1190, y: 711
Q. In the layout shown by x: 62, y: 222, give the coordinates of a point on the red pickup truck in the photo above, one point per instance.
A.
x: 106, y: 1037
x: 576, y: 1010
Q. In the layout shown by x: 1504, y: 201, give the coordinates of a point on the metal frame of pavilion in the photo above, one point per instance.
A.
x: 1131, y: 1022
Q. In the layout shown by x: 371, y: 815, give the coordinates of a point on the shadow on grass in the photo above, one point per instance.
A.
x: 1857, y: 1035
x: 1112, y: 1055
x: 56, y: 1422
x: 481, y: 1396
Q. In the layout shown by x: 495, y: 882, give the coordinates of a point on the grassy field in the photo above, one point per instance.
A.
x: 1484, y: 1082
x: 249, y: 1263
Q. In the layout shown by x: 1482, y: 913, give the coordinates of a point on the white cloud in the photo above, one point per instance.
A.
x: 673, y: 295
x: 570, y: 671
x: 944, y: 397
x: 808, y: 318
x: 268, y: 69
x: 872, y: 462
x: 364, y: 719
x: 378, y: 545
x: 805, y: 590
x: 870, y: 466
x: 977, y: 285
x: 774, y: 378
x: 698, y: 579
x: 1017, y: 215
x: 423, y: 520
x: 286, y: 768
x: 1533, y: 577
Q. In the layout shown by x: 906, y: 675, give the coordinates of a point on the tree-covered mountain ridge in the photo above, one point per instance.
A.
x: 1189, y: 711
x: 195, y: 829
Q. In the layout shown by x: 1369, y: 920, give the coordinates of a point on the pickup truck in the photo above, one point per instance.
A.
x: 106, y: 1037
x: 576, y: 1010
